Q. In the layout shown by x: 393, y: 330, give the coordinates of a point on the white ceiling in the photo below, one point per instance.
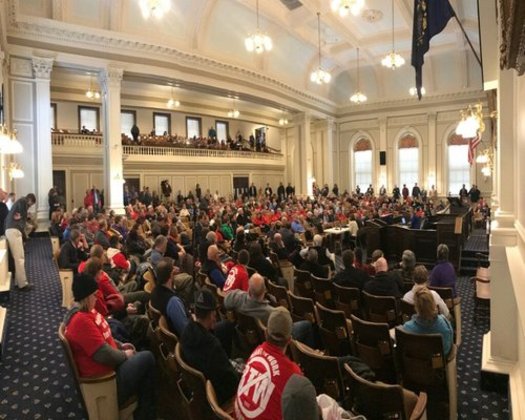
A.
x: 217, y: 28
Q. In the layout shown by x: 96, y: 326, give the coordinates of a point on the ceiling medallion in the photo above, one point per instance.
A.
x: 372, y: 15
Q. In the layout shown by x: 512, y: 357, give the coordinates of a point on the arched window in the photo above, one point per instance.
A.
x: 363, y: 163
x: 408, y: 160
x: 458, y: 166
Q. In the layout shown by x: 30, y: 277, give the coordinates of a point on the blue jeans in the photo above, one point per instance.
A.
x: 303, y: 331
x: 136, y: 376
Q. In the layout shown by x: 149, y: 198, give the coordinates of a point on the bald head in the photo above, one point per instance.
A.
x: 256, y: 287
x: 213, y: 252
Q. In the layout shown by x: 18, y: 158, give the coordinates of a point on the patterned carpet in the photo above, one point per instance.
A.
x: 35, y: 381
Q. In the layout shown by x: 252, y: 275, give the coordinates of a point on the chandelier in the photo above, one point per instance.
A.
x: 344, y: 6
x: 259, y: 41
x: 155, y: 8
x: 92, y: 93
x: 283, y: 120
x: 320, y: 76
x: 471, y: 122
x: 172, y: 103
x: 393, y: 60
x: 233, y: 112
x: 15, y: 170
x: 358, y: 97
x: 413, y: 91
x: 9, y: 144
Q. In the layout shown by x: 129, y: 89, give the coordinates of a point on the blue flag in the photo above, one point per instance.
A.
x: 430, y: 18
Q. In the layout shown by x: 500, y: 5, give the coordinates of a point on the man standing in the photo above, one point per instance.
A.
x: 280, y: 191
x: 15, y: 224
x: 416, y: 191
x: 252, y: 191
x: 3, y: 211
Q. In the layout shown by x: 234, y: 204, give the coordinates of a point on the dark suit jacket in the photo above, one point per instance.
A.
x: 383, y: 284
x: 351, y: 277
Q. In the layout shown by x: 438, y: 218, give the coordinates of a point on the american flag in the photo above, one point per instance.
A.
x: 472, y: 144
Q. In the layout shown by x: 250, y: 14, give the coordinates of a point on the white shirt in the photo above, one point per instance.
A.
x: 443, y: 310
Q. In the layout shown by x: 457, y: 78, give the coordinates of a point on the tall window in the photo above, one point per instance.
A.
x: 161, y: 123
x: 408, y: 163
x: 193, y: 127
x: 363, y: 164
x: 458, y: 166
x: 127, y: 120
x: 53, y: 117
x: 88, y: 118
x: 222, y: 130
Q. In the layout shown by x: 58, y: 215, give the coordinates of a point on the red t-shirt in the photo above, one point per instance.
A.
x: 237, y: 279
x: 262, y: 383
x: 86, y: 333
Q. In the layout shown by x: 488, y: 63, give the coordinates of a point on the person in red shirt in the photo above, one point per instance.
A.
x: 96, y: 353
x: 238, y: 275
x: 272, y: 386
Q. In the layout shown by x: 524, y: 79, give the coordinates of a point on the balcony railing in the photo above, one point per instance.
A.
x: 95, y: 140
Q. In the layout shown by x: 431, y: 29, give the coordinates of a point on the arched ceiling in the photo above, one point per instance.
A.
x: 217, y: 28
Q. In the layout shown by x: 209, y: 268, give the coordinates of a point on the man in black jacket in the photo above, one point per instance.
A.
x: 384, y: 283
x: 73, y: 252
x: 350, y: 276
x: 203, y: 351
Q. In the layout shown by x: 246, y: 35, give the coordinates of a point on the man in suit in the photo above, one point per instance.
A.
x: 252, y: 191
x: 351, y: 276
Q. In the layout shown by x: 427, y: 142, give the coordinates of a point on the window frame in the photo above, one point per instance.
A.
x: 128, y: 111
x: 89, y: 108
x: 162, y: 114
x: 227, y: 129
x: 355, y: 173
x: 199, y: 119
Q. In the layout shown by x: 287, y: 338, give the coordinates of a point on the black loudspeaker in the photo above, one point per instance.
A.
x: 382, y: 158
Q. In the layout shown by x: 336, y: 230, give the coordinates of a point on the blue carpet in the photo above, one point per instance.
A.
x: 35, y: 380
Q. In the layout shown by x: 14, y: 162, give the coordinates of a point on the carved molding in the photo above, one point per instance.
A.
x: 363, y: 124
x: 20, y: 67
x: 110, y: 78
x: 408, y: 120
x: 42, y: 67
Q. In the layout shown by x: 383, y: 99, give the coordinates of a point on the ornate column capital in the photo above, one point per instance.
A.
x: 110, y: 77
x: 42, y: 67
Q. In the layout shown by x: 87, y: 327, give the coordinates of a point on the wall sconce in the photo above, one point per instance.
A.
x: 9, y: 144
x: 486, y: 158
x: 14, y: 170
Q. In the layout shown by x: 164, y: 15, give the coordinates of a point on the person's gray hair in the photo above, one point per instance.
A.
x: 408, y: 260
x: 442, y: 252
x: 312, y: 255
x: 318, y: 240
x: 160, y: 240
x: 211, y: 237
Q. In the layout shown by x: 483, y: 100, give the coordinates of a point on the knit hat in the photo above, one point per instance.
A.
x: 205, y: 301
x: 280, y: 324
x: 83, y: 286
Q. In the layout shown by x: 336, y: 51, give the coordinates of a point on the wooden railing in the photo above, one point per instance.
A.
x: 95, y: 140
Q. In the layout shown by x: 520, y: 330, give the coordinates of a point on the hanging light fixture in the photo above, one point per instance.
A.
x: 413, y: 91
x: 258, y: 42
x: 92, y: 93
x: 283, y: 120
x: 471, y: 122
x: 393, y: 60
x: 9, y: 144
x: 343, y: 7
x: 233, y: 112
x: 155, y: 8
x: 14, y: 170
x: 172, y: 103
x: 320, y: 76
x: 358, y: 97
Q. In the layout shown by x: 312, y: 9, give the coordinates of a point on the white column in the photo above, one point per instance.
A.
x: 4, y: 179
x: 110, y: 82
x: 431, y: 173
x: 382, y: 176
x: 43, y: 149
x: 328, y: 164
x: 304, y: 144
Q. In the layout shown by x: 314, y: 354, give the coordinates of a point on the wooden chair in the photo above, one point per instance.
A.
x: 275, y: 262
x: 192, y: 387
x: 347, y: 299
x: 55, y: 246
x: 303, y: 309
x: 335, y: 331
x: 323, y: 371
x: 201, y: 278
x: 406, y: 309
x: 250, y: 332
x: 99, y: 394
x: 376, y: 400
x: 153, y: 314
x: 287, y: 271
x: 279, y: 293
x: 168, y: 338
x: 149, y: 277
x: 454, y: 306
x: 323, y: 291
x: 373, y: 345
x: 251, y: 271
x: 222, y: 313
x: 66, y: 282
x: 482, y: 293
x: 424, y: 367
x: 303, y: 284
x: 221, y: 413
x: 381, y: 309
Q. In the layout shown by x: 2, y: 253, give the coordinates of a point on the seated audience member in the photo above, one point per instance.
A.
x: 135, y: 243
x: 311, y: 265
x: 325, y: 257
x: 289, y: 393
x: 297, y: 226
x: 54, y: 226
x: 384, y: 283
x: 238, y: 274
x: 443, y: 273
x: 201, y: 349
x: 121, y: 226
x: 240, y: 240
x: 350, y: 276
x: 73, y: 252
x: 259, y: 262
x: 159, y: 249
x: 214, y: 268
x: 165, y: 299
x: 101, y: 236
x: 116, y: 257
x: 353, y: 226
x: 360, y: 265
x: 278, y: 247
x: 210, y: 239
x: 421, y: 280
x: 408, y: 264
x: 427, y: 320
x: 96, y: 353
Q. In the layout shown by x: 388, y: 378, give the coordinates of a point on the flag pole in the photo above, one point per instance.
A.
x: 466, y: 37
